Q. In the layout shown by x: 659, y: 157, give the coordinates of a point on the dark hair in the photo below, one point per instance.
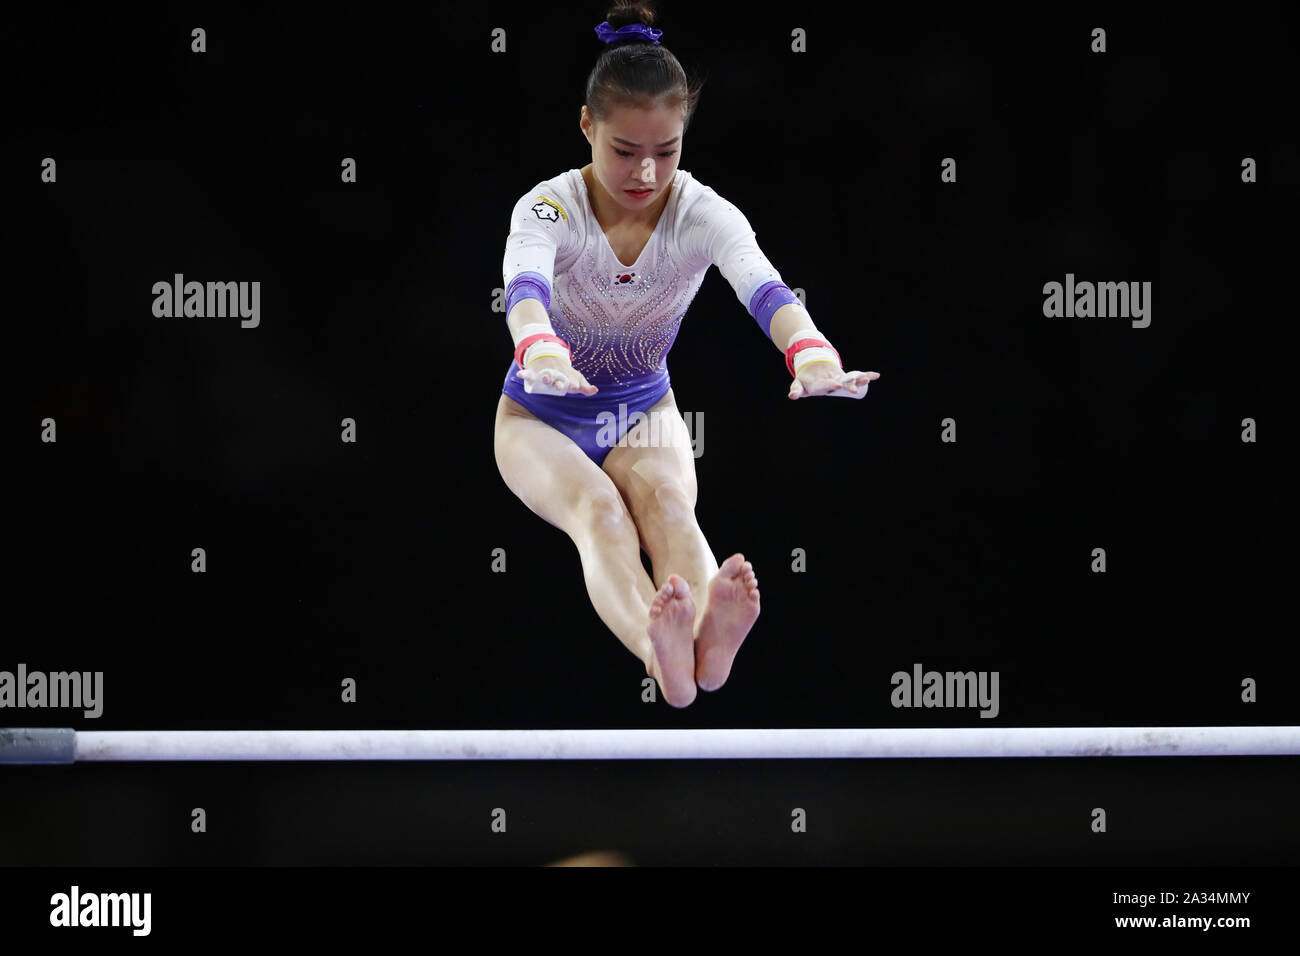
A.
x: 638, y: 73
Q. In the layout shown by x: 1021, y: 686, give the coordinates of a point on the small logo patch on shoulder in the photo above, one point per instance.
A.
x: 549, y: 210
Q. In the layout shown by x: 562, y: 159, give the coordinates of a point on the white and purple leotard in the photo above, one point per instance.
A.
x: 621, y: 320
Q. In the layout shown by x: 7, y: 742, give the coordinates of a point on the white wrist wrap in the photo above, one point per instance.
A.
x: 805, y: 334
x: 808, y: 356
x: 540, y: 349
x: 534, y: 328
x: 811, y: 354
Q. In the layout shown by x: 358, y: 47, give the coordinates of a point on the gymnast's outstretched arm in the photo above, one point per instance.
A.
x: 817, y: 366
x: 717, y: 232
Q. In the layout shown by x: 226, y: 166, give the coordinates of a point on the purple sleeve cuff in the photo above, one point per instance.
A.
x: 764, y: 303
x: 528, y: 285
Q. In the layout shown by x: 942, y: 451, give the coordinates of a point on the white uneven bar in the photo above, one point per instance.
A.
x: 151, y: 745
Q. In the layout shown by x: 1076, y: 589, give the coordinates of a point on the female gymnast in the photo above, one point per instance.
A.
x: 600, y: 266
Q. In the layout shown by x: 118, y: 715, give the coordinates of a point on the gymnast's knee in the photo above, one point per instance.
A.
x: 671, y: 506
x: 604, y: 514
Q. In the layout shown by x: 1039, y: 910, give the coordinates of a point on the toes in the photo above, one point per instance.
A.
x: 662, y: 596
x: 732, y: 565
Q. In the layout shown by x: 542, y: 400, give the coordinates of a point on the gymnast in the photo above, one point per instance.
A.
x: 600, y: 266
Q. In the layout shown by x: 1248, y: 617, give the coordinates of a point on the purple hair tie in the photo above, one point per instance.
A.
x: 633, y: 31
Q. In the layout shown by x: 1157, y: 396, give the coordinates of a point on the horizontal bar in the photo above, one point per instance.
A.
x: 39, y: 745
x: 23, y: 745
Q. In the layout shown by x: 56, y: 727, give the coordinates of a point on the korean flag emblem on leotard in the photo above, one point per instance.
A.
x: 548, y: 210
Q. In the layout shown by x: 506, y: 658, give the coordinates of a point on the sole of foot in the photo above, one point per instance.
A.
x: 732, y: 610
x: 671, y: 630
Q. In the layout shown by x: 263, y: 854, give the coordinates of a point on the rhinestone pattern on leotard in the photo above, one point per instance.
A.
x: 621, y: 332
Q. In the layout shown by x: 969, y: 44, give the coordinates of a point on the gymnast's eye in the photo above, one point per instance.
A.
x: 625, y: 153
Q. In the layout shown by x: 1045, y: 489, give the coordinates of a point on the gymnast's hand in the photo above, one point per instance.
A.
x: 550, y: 375
x: 827, y: 378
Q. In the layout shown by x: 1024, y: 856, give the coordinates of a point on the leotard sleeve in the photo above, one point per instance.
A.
x: 717, y: 232
x: 541, y: 233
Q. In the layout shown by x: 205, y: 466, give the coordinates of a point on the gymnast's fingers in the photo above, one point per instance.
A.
x: 855, y: 385
x: 541, y: 383
x: 578, y: 383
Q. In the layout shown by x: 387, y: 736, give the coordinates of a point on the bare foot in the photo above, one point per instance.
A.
x: 671, y: 630
x: 727, y: 618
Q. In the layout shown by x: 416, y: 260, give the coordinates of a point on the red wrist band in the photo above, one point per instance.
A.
x: 801, y: 344
x: 539, y: 337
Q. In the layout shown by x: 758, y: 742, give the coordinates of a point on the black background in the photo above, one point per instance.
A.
x: 373, y: 560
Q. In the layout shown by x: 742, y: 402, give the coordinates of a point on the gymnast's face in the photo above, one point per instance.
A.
x: 635, y: 148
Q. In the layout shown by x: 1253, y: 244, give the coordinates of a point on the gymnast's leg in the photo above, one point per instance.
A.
x: 655, y: 471
x: 560, y: 484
